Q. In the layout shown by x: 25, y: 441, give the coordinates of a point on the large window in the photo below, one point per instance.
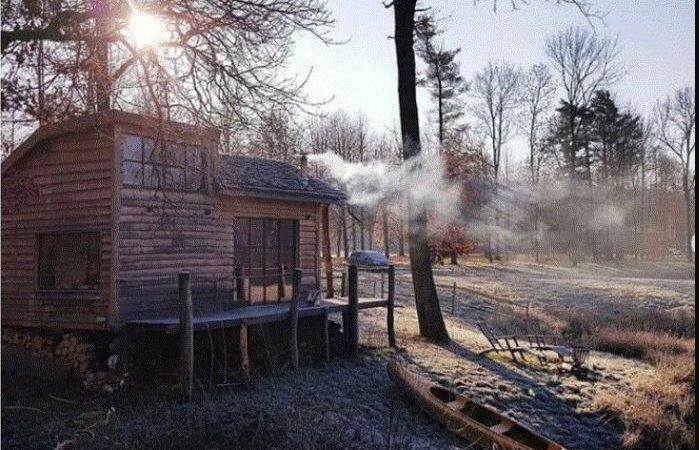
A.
x: 264, y: 249
x: 163, y: 165
x: 69, y: 261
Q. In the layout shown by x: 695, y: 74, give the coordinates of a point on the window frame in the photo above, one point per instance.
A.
x: 164, y: 145
x: 38, y: 245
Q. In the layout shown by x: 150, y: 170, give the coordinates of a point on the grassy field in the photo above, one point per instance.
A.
x: 641, y: 326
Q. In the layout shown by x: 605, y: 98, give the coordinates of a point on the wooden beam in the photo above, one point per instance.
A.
x: 353, y: 311
x: 186, y: 335
x: 325, y: 334
x: 390, y: 321
x: 294, y: 319
x: 327, y: 256
x: 244, y: 353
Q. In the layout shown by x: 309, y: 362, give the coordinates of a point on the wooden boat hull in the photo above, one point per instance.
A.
x: 475, y: 423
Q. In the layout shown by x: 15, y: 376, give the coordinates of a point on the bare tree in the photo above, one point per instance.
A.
x: 430, y: 320
x: 214, y: 62
x: 538, y: 93
x: 675, y: 118
x: 496, y: 94
x: 585, y: 63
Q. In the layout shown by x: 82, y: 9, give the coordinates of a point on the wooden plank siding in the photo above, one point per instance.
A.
x: 73, y: 192
x: 161, y: 234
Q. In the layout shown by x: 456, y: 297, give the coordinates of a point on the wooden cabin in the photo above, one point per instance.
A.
x: 100, y: 213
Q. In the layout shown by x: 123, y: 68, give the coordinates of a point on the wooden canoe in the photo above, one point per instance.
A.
x: 477, y: 424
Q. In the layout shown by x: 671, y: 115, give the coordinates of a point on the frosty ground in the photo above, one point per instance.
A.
x: 351, y: 404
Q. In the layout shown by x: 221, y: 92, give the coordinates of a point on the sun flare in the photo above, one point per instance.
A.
x: 146, y: 30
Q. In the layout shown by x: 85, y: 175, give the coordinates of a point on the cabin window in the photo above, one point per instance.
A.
x: 69, y: 261
x: 156, y: 164
x: 264, y: 250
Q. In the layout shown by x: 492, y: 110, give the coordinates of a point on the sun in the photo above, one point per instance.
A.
x: 146, y: 30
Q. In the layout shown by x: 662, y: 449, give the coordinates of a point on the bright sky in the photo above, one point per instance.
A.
x: 658, y: 40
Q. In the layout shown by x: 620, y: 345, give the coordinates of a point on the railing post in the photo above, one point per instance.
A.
x: 390, y: 318
x: 294, y: 319
x: 239, y: 286
x: 343, y: 285
x: 280, y: 283
x: 353, y: 311
x: 186, y: 335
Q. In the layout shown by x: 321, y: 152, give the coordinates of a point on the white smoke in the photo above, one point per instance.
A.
x: 422, y: 179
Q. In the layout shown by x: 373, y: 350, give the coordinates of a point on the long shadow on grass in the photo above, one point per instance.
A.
x: 520, y: 395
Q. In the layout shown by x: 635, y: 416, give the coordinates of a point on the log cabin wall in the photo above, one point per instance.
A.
x: 163, y: 232
x: 63, y: 186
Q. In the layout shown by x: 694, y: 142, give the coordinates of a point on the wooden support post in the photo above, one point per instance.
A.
x: 294, y: 319
x: 327, y: 256
x: 383, y: 284
x: 390, y: 320
x: 244, y: 353
x: 453, y: 299
x: 186, y: 335
x: 353, y: 322
x: 325, y: 334
x: 280, y: 283
x: 343, y: 285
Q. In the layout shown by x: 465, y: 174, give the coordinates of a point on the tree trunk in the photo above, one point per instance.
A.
x: 344, y: 231
x: 690, y: 223
x: 362, y: 229
x: 386, y: 236
x: 401, y: 237
x: 431, y: 322
x: 102, y: 78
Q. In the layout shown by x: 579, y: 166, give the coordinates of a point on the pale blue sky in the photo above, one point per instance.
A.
x: 658, y: 40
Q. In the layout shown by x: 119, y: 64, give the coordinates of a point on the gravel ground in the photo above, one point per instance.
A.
x: 350, y: 403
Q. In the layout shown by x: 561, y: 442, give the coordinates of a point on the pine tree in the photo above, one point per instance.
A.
x: 443, y: 79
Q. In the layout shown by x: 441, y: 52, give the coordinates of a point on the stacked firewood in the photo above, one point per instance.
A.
x: 81, y: 355
x: 72, y: 348
x: 43, y: 345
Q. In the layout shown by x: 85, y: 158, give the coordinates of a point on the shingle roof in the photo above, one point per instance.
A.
x: 243, y: 175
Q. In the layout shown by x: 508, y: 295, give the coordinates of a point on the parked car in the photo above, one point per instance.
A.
x: 368, y: 258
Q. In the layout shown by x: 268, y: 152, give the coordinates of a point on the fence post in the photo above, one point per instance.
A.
x: 186, y: 334
x: 391, y: 306
x: 294, y: 319
x: 453, y: 299
x: 353, y: 311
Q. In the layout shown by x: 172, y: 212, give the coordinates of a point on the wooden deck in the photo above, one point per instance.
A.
x: 257, y: 314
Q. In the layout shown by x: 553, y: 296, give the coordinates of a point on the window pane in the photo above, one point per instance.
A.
x: 133, y: 147
x: 287, y: 257
x: 69, y: 261
x: 148, y: 147
x: 287, y: 234
x: 257, y: 237
x: 152, y: 177
x: 133, y: 173
x: 242, y: 229
x: 174, y: 177
x: 272, y: 233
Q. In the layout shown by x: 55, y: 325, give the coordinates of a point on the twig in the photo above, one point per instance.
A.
x: 59, y: 399
x: 27, y: 408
